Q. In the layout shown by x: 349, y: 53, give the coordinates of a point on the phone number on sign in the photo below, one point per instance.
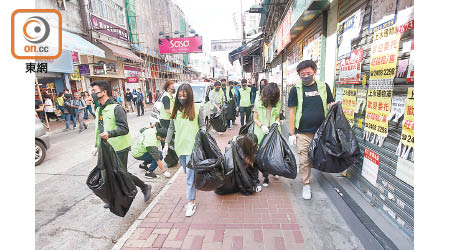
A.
x: 383, y: 72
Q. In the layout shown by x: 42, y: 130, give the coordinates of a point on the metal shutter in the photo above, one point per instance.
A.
x: 393, y: 197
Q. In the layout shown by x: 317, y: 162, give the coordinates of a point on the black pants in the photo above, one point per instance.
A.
x: 123, y: 157
x: 140, y: 108
x: 52, y: 115
x: 245, y: 111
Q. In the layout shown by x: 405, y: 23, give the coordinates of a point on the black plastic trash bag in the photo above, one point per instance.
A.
x: 229, y: 184
x: 274, y: 155
x: 171, y: 158
x: 218, y: 121
x: 246, y: 185
x: 334, y: 147
x: 207, y: 162
x: 247, y: 128
x: 230, y: 111
x: 111, y: 182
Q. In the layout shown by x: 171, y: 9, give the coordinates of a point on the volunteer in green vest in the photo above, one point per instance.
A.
x: 231, y: 92
x: 216, y: 97
x: 186, y: 120
x: 262, y: 84
x: 244, y: 102
x: 267, y: 112
x: 308, y: 107
x: 111, y: 125
x: 146, y: 149
x: 167, y: 100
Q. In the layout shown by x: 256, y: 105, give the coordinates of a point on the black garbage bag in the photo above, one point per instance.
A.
x: 334, y: 147
x: 247, y: 128
x: 230, y: 111
x: 245, y: 176
x: 229, y: 184
x: 274, y: 155
x: 171, y: 158
x: 207, y: 162
x: 111, y: 182
x: 218, y: 121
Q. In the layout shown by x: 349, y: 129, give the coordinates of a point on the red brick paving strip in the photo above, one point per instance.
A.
x: 266, y: 218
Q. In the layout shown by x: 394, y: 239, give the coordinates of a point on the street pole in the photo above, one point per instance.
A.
x: 243, y: 41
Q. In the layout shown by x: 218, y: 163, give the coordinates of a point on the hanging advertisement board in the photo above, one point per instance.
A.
x: 370, y: 167
x: 350, y: 68
x: 407, y: 137
x: 382, y: 14
x: 384, y: 53
x: 348, y: 30
x: 349, y: 104
x: 378, y: 110
x: 181, y: 45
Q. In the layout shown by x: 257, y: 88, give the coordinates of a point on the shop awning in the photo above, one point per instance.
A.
x: 76, y: 43
x: 122, y: 52
x: 250, y: 48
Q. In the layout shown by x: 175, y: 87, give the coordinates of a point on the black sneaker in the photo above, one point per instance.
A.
x: 143, y: 167
x: 147, y: 191
x: 150, y: 175
x: 266, y: 182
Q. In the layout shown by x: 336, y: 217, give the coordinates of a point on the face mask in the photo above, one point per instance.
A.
x: 307, y: 79
x: 244, y: 86
x: 95, y: 96
x: 182, y: 101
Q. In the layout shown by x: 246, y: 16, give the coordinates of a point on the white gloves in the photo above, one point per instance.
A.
x: 292, y: 140
x: 165, y: 149
x: 265, y: 129
x: 277, y: 122
x: 258, y: 188
x: 167, y: 174
x: 94, y: 151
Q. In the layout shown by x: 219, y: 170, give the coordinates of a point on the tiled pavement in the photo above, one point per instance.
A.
x: 263, y: 220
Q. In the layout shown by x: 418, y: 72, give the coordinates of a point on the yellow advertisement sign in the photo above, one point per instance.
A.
x: 75, y: 76
x: 349, y: 104
x: 384, y: 52
x: 407, y: 137
x: 377, y: 111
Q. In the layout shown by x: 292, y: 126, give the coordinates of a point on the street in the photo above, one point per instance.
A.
x: 68, y: 215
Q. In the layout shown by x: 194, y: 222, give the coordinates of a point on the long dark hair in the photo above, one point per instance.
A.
x: 249, y: 145
x: 188, y: 108
x: 261, y: 84
x: 270, y: 95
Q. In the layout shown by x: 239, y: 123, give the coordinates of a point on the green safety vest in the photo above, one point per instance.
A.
x: 258, y: 96
x: 245, y: 97
x: 321, y: 88
x: 227, y: 92
x: 186, y: 131
x: 109, y: 123
x: 146, y: 139
x: 214, y: 96
x: 164, y: 114
x: 262, y: 117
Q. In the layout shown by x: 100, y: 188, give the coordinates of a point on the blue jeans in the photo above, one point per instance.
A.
x: 147, y: 158
x: 86, y: 114
x: 61, y: 108
x: 190, y: 187
x: 68, y: 118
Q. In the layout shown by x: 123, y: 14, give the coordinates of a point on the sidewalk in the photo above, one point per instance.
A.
x: 264, y: 220
x: 57, y: 127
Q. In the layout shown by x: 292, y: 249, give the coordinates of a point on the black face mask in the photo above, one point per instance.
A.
x: 306, y: 80
x: 95, y: 96
x: 182, y: 101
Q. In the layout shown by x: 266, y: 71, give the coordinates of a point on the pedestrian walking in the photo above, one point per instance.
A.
x: 267, y: 112
x: 88, y: 100
x: 244, y: 102
x: 79, y: 106
x: 308, y: 104
x: 216, y: 97
x: 186, y: 120
x: 111, y: 125
x: 168, y: 100
x: 48, y: 107
x: 146, y: 149
x: 134, y: 97
x: 69, y: 111
x: 140, y: 102
x: 60, y: 104
x: 150, y: 97
x: 253, y: 91
x: 118, y: 98
x: 129, y: 100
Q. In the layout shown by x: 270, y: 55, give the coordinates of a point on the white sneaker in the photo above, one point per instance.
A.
x: 307, y: 192
x: 190, y: 209
x: 167, y: 174
x: 276, y: 176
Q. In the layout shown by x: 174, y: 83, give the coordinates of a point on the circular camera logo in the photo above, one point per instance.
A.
x: 36, y: 29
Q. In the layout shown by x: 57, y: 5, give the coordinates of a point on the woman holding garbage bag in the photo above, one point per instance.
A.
x: 186, y: 120
x: 267, y: 112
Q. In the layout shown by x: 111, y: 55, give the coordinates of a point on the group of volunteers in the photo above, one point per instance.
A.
x: 181, y: 119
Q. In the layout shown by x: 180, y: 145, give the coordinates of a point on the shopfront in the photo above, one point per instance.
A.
x: 375, y: 83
